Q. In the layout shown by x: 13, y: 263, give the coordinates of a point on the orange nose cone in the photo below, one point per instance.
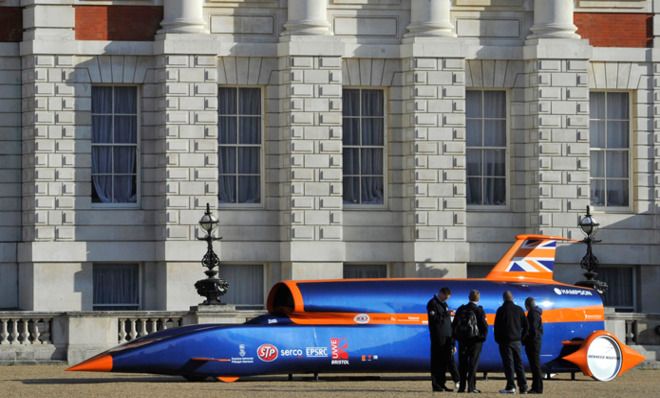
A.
x: 96, y: 364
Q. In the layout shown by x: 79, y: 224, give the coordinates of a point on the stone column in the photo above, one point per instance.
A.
x: 431, y: 18
x: 308, y: 17
x: 183, y: 16
x: 553, y: 19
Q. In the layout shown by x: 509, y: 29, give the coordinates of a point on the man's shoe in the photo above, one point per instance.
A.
x: 475, y: 391
x: 534, y: 392
x: 508, y: 391
x: 458, y: 385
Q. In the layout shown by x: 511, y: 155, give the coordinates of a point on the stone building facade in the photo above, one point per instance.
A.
x: 333, y: 138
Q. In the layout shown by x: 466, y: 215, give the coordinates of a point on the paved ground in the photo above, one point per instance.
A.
x: 52, y: 381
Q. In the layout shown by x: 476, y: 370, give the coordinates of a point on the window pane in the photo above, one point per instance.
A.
x: 473, y: 104
x: 372, y: 131
x: 126, y: 129
x: 249, y: 190
x: 351, y: 161
x: 372, y: 161
x: 617, y: 134
x: 101, y: 129
x: 495, y: 133
x: 124, y: 160
x: 227, y: 160
x: 101, y: 99
x: 617, y: 164
x: 494, y: 163
x: 227, y: 134
x: 351, y: 102
x: 474, y: 162
x: 359, y: 271
x: 617, y: 106
x: 101, y: 189
x: 474, y: 191
x: 351, y: 131
x: 250, y: 101
x: 116, y: 284
x: 227, y: 101
x: 474, y: 132
x: 227, y: 189
x: 597, y: 164
x: 124, y: 189
x: 617, y: 192
x: 248, y: 160
x: 372, y: 103
x: 494, y: 104
x: 246, y: 284
x: 598, y: 192
x: 620, y: 286
x: 250, y: 130
x: 372, y: 190
x: 597, y: 105
x: 126, y: 100
x: 101, y: 159
x: 494, y: 191
x: 351, y: 187
x: 597, y: 134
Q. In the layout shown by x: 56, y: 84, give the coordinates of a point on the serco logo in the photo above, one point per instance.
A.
x: 361, y: 318
x: 267, y: 352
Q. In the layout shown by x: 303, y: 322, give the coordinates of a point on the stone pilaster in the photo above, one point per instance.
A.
x: 307, y: 17
x: 183, y: 16
x: 434, y: 153
x: 553, y: 19
x: 430, y: 18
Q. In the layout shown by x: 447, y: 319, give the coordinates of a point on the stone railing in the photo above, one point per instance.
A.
x: 134, y: 325
x: 24, y: 328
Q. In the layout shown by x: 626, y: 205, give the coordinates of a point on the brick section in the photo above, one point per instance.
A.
x: 11, y: 24
x: 122, y: 23
x: 615, y: 29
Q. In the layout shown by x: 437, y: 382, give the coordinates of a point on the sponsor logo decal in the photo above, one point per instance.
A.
x: 338, y: 347
x: 241, y: 350
x: 316, y: 352
x: 267, y: 352
x: 272, y: 321
x: 361, y: 319
x: 294, y: 352
x: 242, y: 356
x: 369, y: 358
x: 572, y: 292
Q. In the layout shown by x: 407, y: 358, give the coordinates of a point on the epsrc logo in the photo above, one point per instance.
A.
x: 267, y: 352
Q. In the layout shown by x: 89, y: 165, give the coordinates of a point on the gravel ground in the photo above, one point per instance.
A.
x: 53, y: 381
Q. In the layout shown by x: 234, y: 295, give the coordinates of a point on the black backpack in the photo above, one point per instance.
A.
x: 466, y: 326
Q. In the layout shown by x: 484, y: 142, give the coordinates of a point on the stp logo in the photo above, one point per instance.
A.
x: 267, y: 352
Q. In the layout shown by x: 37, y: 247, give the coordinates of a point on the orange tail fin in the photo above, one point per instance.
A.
x: 531, y: 257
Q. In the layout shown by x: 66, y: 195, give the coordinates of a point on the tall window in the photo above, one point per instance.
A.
x: 486, y: 147
x: 247, y: 284
x: 364, y: 146
x: 360, y: 271
x: 114, y: 144
x: 610, y: 149
x: 116, y: 287
x: 239, y: 144
x: 620, y: 287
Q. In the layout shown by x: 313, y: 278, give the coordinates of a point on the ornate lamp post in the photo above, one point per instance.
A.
x: 589, y: 262
x: 211, y: 287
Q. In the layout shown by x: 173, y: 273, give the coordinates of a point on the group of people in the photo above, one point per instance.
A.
x: 513, y: 330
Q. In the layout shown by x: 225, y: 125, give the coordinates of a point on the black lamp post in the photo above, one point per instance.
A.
x: 211, y: 287
x: 589, y: 262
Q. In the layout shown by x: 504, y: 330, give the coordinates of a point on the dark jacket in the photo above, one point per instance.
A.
x: 535, y: 322
x: 439, y: 318
x: 510, y: 323
x: 481, y: 319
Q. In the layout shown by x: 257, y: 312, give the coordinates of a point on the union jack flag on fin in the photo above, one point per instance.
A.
x: 530, y: 257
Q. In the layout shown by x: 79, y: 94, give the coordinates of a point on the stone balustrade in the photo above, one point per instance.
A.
x: 136, y: 325
x: 25, y: 329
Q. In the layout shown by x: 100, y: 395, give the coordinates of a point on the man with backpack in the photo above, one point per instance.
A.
x: 442, y: 343
x: 470, y: 329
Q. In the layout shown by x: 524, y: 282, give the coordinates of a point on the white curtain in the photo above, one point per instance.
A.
x: 360, y: 271
x: 116, y: 286
x: 620, y: 286
x: 246, y: 284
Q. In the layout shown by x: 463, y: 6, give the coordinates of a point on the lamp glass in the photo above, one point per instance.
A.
x: 588, y: 225
x: 208, y: 222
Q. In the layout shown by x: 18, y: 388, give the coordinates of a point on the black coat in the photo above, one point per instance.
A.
x: 535, y: 322
x: 510, y: 323
x: 439, y: 318
x: 481, y: 319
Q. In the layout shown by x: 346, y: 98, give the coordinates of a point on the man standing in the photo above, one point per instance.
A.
x: 533, y: 344
x: 441, y: 338
x: 470, y: 329
x: 510, y: 329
